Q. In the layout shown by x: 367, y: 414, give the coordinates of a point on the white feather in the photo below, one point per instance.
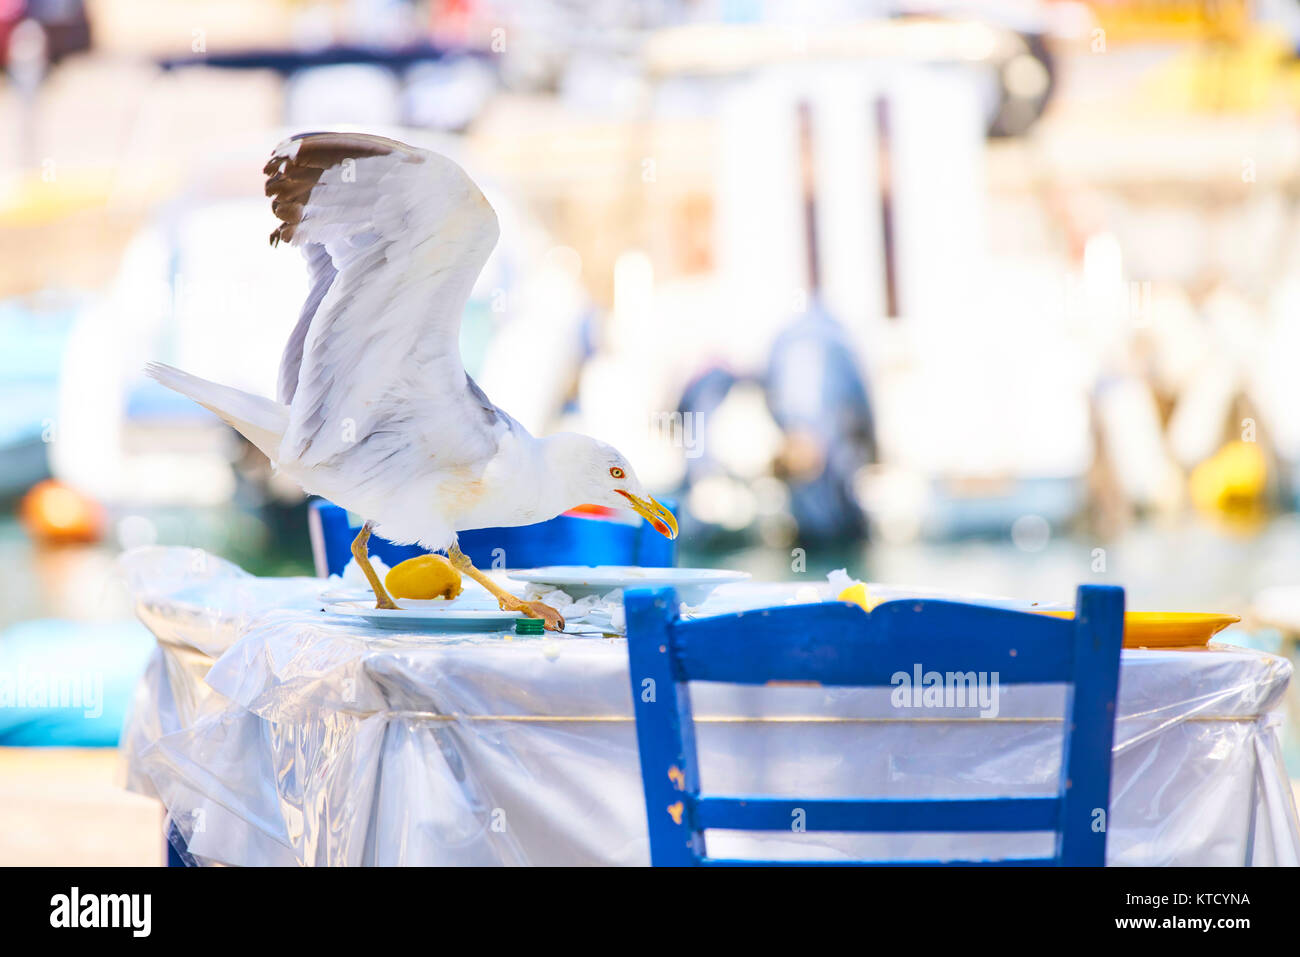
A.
x: 379, y: 415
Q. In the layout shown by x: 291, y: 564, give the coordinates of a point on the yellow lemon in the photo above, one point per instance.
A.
x: 858, y: 595
x: 425, y: 576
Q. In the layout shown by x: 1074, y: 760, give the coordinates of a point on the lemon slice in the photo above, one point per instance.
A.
x: 857, y: 594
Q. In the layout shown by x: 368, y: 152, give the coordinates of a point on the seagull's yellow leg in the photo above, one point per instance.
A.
x: 533, y: 609
x: 362, y: 556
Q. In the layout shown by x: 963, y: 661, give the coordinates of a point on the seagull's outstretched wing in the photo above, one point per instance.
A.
x: 394, y: 238
x: 320, y: 274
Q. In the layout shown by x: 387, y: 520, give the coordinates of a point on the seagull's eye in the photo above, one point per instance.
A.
x: 616, y: 472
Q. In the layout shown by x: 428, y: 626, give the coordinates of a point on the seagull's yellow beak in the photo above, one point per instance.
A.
x: 662, y: 520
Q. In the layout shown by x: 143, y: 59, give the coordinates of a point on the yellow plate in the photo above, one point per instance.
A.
x: 1166, y: 629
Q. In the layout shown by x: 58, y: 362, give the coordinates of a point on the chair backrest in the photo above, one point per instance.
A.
x: 565, y: 540
x: 836, y: 643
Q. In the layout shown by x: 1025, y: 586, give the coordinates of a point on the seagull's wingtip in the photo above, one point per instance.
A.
x: 286, y: 149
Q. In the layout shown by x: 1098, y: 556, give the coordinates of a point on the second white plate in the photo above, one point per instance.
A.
x: 578, y: 581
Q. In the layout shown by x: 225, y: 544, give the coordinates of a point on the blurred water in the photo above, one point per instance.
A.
x: 80, y: 581
x: 1181, y: 566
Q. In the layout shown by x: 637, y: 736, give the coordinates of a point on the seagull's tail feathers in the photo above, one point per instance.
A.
x: 260, y: 420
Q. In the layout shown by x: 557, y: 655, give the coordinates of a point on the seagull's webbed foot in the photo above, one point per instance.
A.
x: 362, y: 555
x: 534, y: 609
x: 553, y: 620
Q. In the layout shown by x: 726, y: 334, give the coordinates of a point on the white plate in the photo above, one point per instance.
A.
x: 578, y: 581
x: 459, y: 614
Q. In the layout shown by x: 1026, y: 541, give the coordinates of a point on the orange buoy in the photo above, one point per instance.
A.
x: 55, y: 513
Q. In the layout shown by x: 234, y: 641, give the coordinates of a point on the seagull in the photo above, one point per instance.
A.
x: 374, y: 410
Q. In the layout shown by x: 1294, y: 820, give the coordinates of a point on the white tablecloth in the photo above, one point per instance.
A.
x: 318, y: 741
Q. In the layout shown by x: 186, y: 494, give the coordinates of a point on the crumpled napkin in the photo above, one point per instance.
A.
x: 600, y: 611
x: 353, y: 579
x: 840, y: 580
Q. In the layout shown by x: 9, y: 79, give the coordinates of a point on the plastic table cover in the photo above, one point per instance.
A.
x: 316, y: 740
x: 196, y: 605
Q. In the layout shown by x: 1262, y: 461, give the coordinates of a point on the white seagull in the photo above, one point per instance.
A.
x: 375, y: 411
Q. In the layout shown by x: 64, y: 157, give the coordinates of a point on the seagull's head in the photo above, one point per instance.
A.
x: 601, y: 475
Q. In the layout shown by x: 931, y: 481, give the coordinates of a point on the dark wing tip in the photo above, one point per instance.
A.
x: 298, y: 163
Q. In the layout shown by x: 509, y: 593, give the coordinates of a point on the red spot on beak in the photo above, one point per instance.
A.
x: 651, y: 512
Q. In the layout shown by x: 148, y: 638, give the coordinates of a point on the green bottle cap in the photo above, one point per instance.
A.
x: 529, y: 626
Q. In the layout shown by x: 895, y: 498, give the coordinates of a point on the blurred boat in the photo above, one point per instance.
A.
x: 290, y: 61
x: 417, y: 83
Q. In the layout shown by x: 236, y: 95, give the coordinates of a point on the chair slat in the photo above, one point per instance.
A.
x: 995, y: 862
x: 948, y: 814
x: 835, y: 643
x: 1098, y: 635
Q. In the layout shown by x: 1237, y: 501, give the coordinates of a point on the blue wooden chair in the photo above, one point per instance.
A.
x: 566, y: 540
x: 838, y: 643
